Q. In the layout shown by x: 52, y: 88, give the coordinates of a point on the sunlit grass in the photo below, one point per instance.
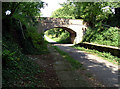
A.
x: 104, y: 55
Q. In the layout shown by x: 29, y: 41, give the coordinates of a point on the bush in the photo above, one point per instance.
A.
x: 108, y: 36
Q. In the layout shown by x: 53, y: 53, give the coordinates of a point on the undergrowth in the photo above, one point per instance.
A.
x: 18, y: 70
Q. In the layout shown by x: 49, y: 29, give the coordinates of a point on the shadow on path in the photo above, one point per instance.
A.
x: 103, y: 71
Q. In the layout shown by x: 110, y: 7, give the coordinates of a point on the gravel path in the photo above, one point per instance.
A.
x: 104, y: 71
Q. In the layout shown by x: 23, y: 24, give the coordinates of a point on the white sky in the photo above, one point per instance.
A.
x: 52, y: 6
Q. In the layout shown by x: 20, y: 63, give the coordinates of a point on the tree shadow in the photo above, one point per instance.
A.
x: 103, y: 71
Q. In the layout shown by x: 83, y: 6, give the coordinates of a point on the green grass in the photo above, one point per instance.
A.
x: 75, y: 64
x: 104, y: 55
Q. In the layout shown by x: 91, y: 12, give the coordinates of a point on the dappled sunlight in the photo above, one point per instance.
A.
x: 103, y: 70
x: 32, y: 59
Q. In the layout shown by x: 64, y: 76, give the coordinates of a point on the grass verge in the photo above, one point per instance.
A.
x: 75, y: 64
x: 104, y: 55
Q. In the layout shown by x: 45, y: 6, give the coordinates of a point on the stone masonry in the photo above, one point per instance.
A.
x: 76, y: 27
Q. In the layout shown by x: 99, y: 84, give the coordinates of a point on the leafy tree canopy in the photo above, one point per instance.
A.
x: 22, y: 9
x: 89, y: 11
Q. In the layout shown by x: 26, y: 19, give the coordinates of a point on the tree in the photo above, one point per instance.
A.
x: 89, y: 11
x: 66, y: 11
x: 22, y: 9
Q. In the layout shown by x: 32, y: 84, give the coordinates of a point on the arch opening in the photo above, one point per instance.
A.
x: 72, y: 34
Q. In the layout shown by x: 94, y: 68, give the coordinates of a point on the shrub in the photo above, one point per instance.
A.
x: 108, y: 36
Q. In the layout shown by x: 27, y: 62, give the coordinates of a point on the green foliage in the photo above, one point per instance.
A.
x: 20, y: 37
x: 51, y: 32
x: 104, y: 55
x: 59, y: 35
x: 64, y: 38
x: 65, y: 12
x: 36, y: 38
x: 24, y: 13
x: 18, y: 68
x: 10, y: 53
x: 95, y: 16
x: 22, y: 75
x: 91, y: 12
x: 22, y: 9
x: 109, y: 36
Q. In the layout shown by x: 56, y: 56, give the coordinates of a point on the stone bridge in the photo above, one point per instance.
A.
x: 76, y: 27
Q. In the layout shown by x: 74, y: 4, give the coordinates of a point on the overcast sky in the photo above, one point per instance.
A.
x: 52, y: 6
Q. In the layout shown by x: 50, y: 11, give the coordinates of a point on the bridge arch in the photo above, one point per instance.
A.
x: 76, y: 27
x: 72, y: 33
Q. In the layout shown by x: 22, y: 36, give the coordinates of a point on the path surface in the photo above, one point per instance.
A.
x: 104, y: 71
x: 66, y: 75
